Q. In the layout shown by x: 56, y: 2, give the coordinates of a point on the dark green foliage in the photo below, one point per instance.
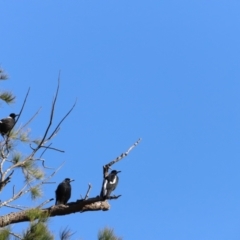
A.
x: 3, y: 75
x: 38, y: 230
x: 6, y: 96
x: 107, y: 234
x: 66, y: 234
x: 4, y: 234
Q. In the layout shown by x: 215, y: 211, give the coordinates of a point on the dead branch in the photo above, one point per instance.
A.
x: 91, y: 204
x: 24, y: 102
x: 16, y: 207
x: 50, y: 120
x: 57, y: 127
x: 88, y: 192
x: 16, y: 235
x: 107, y: 166
x: 4, y: 182
x: 30, y: 120
x: 45, y: 202
x: 23, y: 191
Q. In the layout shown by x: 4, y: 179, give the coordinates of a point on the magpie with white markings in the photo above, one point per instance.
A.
x: 109, y: 184
x: 6, y: 124
x: 63, y: 191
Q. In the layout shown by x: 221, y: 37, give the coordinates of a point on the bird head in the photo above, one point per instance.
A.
x: 13, y: 115
x: 68, y: 180
x: 115, y: 172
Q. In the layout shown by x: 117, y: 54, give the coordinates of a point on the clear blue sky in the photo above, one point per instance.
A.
x: 166, y: 71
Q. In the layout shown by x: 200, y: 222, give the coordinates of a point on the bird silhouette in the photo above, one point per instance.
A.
x: 63, y: 191
x: 109, y: 184
x: 6, y: 124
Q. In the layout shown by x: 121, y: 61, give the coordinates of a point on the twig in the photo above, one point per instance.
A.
x: 6, y: 181
x: 44, y: 203
x: 16, y: 235
x: 107, y: 166
x: 48, y: 147
x: 113, y: 197
x: 88, y: 191
x: 16, y: 207
x: 57, y: 127
x: 31, y: 119
x: 123, y: 154
x: 24, y: 102
x: 22, y: 191
x: 43, y: 163
x: 51, y: 118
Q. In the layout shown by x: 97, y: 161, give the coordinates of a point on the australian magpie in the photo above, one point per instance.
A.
x: 63, y: 191
x: 109, y: 184
x: 6, y: 124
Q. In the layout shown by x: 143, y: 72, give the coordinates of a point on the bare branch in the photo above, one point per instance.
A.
x: 123, y: 154
x: 4, y: 182
x: 16, y: 207
x: 16, y: 235
x: 91, y: 204
x: 88, y: 191
x: 45, y: 202
x: 48, y: 147
x: 57, y: 127
x: 107, y: 166
x: 24, y: 102
x: 50, y: 120
x: 43, y: 163
x: 23, y: 191
x: 113, y: 197
x: 30, y: 120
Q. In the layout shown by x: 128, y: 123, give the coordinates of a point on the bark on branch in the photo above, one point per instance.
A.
x: 91, y: 204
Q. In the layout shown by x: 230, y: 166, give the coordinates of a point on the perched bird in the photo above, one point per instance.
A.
x: 109, y: 184
x: 63, y: 191
x: 6, y: 124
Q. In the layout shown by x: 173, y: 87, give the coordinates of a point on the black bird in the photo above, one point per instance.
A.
x: 109, y: 184
x: 6, y: 124
x: 63, y: 192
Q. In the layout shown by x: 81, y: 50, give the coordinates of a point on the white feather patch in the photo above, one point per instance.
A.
x: 114, y: 180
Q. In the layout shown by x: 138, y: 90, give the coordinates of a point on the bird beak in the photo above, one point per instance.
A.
x: 118, y: 171
x: 71, y: 180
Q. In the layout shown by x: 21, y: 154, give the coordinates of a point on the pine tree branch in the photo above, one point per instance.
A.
x: 23, y: 191
x: 91, y: 204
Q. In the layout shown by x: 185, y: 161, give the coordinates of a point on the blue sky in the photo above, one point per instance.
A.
x: 165, y: 71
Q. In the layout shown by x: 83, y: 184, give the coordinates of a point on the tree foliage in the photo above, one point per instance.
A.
x: 6, y: 96
x: 107, y: 234
x: 35, y: 173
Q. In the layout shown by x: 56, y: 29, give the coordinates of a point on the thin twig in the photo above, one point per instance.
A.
x: 16, y: 235
x: 51, y: 118
x: 30, y: 119
x: 16, y: 207
x: 88, y: 191
x: 107, y: 166
x: 123, y: 154
x: 113, y: 197
x: 43, y: 163
x: 45, y: 202
x: 22, y: 191
x: 6, y: 181
x: 24, y: 102
x: 57, y: 127
x: 55, y: 149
